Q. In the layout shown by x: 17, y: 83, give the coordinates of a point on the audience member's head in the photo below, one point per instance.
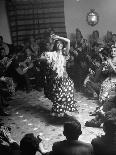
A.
x: 109, y: 35
x: 72, y: 130
x: 28, y: 51
x: 29, y: 144
x: 2, y: 52
x: 79, y: 35
x: 109, y: 125
x: 95, y: 35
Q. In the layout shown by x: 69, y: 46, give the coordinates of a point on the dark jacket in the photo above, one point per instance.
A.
x: 74, y: 147
x: 104, y: 145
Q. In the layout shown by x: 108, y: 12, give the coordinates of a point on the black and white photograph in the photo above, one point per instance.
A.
x: 57, y: 77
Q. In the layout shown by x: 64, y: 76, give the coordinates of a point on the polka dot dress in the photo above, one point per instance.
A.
x: 63, y: 96
x: 59, y: 89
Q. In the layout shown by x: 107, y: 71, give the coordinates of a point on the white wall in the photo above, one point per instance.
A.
x: 75, y: 16
x: 4, y: 26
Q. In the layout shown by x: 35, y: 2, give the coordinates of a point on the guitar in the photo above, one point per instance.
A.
x: 6, y: 61
x: 25, y: 66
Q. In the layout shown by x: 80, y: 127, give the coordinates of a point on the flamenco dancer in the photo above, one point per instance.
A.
x: 59, y: 88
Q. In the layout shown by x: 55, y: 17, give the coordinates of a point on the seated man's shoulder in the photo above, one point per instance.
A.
x: 87, y: 145
x: 58, y: 144
x: 74, y: 143
x: 71, y: 147
x: 97, y: 140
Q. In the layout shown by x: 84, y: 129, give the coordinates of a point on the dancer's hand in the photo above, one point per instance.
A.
x: 55, y: 37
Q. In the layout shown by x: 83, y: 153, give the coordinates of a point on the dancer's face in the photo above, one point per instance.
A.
x: 59, y: 45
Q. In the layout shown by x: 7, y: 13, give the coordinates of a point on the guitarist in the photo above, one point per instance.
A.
x: 26, y: 68
x: 33, y: 68
x: 22, y: 80
x: 26, y: 63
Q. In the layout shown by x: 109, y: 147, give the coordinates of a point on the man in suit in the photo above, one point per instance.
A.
x: 72, y: 146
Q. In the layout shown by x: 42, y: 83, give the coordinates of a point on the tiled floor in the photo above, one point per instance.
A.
x: 31, y: 113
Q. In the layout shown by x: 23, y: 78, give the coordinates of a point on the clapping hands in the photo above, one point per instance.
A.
x: 5, y: 135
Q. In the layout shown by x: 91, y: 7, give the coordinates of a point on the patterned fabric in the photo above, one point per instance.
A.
x: 8, y: 84
x: 59, y: 88
x: 106, y: 88
x: 5, y: 134
x: 108, y: 85
x: 63, y: 95
x: 89, y: 77
x: 56, y: 62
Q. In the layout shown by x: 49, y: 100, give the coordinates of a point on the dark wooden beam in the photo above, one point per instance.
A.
x: 36, y: 17
x: 39, y: 6
x: 22, y: 37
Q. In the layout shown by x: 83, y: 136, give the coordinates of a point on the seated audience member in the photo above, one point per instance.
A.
x: 7, y: 89
x: 72, y: 146
x: 94, y: 48
x: 5, y: 60
x: 94, y: 42
x: 2, y: 53
x: 91, y: 87
x: 95, y: 37
x: 100, y: 113
x: 106, y: 144
x: 29, y: 145
x: 108, y: 39
x: 7, y: 145
x: 4, y: 45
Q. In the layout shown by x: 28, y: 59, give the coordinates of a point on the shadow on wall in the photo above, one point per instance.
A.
x: 72, y: 37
